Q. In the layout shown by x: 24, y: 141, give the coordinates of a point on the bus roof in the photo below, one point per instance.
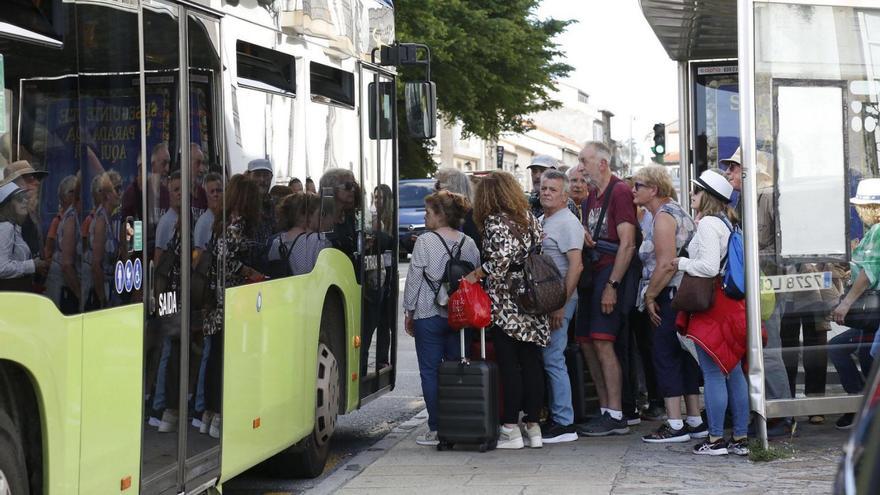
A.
x: 693, y: 29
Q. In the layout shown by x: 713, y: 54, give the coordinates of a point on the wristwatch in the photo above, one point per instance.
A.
x: 614, y: 284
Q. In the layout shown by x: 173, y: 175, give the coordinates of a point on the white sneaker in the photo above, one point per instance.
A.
x: 169, y: 421
x: 207, y: 416
x: 154, y: 421
x: 197, y: 423
x: 428, y: 439
x: 510, y: 438
x: 532, y: 436
x: 216, y: 426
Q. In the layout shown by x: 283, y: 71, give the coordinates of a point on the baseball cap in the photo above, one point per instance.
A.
x: 260, y: 164
x: 544, y: 161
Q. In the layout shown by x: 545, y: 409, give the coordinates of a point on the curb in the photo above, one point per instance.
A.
x: 356, y: 465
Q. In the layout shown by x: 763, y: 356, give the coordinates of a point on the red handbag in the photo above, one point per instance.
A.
x: 469, y: 307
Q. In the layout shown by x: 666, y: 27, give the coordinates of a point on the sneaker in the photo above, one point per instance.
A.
x: 154, y: 421
x: 603, y: 426
x: 738, y: 447
x: 556, y: 433
x: 846, y: 421
x: 428, y: 439
x: 632, y: 418
x: 169, y: 421
x: 654, y: 413
x: 216, y: 426
x: 532, y: 436
x: 667, y: 434
x: 718, y: 447
x: 701, y: 431
x: 207, y: 417
x: 510, y: 438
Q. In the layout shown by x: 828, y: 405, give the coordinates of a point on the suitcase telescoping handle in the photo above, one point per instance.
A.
x: 464, y: 358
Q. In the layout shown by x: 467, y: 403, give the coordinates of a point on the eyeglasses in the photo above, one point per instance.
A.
x: 639, y: 185
x: 347, y: 186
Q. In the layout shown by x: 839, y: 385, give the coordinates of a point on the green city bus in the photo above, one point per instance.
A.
x: 139, y: 357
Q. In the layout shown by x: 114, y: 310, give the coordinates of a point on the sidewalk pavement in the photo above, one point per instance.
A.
x: 617, y: 464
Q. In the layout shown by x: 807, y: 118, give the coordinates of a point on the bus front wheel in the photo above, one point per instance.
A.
x: 309, y: 458
x: 13, y: 472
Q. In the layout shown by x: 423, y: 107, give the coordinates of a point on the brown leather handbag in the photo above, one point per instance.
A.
x: 694, y: 294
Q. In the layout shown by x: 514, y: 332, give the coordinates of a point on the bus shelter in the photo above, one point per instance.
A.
x: 794, y: 86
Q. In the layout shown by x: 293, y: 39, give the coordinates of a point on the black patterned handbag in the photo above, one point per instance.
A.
x: 864, y: 314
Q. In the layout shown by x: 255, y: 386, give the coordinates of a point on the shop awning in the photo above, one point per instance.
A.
x: 693, y: 29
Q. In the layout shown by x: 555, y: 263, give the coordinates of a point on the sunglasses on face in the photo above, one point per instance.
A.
x: 639, y: 185
x: 347, y: 186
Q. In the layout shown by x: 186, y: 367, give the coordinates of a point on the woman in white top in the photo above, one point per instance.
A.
x: 17, y: 264
x: 298, y: 216
x: 719, y: 332
x: 425, y: 319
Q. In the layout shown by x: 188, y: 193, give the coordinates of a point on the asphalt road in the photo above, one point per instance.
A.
x: 357, y: 431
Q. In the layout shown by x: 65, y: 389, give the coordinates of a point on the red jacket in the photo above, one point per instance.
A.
x: 720, y: 330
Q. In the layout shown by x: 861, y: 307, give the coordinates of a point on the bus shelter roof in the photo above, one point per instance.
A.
x: 693, y: 29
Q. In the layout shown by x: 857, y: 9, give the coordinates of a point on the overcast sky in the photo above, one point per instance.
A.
x: 618, y: 62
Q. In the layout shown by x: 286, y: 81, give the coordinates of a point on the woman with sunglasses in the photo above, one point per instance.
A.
x: 346, y: 197
x: 676, y: 371
x: 103, y: 243
x: 719, y: 332
x: 17, y: 264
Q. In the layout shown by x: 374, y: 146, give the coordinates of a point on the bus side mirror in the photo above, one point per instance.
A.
x: 421, y: 109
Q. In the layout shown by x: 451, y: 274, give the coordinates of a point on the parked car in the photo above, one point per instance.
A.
x: 859, y: 469
x: 411, y: 215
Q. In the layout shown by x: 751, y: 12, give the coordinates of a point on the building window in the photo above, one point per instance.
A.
x: 583, y: 98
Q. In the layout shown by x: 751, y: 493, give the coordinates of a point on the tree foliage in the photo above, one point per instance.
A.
x: 494, y: 63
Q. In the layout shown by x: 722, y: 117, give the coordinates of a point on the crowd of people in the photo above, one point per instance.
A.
x: 624, y: 248
x: 243, y: 230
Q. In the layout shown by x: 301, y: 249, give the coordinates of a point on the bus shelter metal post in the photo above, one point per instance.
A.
x: 684, y: 131
x: 746, y: 51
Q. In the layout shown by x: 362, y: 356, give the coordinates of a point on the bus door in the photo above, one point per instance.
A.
x: 380, y: 276
x: 182, y: 178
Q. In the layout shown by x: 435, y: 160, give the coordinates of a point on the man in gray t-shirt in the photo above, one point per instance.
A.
x: 563, y: 241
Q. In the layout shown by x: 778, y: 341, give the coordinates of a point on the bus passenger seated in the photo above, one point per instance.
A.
x: 17, y: 264
x: 298, y: 217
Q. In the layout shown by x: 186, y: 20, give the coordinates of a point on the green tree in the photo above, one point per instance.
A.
x: 494, y: 63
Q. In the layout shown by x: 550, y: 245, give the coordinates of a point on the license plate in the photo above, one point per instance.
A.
x: 796, y: 282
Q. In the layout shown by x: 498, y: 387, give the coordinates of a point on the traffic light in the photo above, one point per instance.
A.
x: 659, y: 148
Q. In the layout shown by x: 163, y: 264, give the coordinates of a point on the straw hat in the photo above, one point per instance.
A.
x: 868, y: 192
x: 22, y: 167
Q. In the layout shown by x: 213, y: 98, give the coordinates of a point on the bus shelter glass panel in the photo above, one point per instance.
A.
x: 716, y: 113
x: 818, y: 199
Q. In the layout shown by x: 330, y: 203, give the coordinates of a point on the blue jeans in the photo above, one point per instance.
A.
x: 200, y: 384
x: 875, y: 347
x: 841, y: 350
x: 435, y: 343
x: 719, y: 391
x: 561, y: 410
x: 159, y: 396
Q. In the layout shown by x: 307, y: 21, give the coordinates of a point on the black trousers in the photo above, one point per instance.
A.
x: 813, y: 348
x: 522, y: 377
x: 642, y: 331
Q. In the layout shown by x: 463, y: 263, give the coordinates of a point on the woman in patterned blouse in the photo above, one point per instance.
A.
x: 243, y: 212
x: 509, y: 231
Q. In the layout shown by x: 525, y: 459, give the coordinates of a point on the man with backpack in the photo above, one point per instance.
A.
x: 563, y: 241
x: 610, y: 221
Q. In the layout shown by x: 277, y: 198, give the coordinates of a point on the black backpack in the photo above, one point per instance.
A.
x: 456, y: 268
x: 280, y: 268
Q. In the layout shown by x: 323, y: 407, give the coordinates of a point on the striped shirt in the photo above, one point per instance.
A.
x: 429, y: 259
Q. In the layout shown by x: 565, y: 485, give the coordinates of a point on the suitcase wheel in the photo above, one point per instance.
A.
x: 484, y: 447
x: 443, y: 445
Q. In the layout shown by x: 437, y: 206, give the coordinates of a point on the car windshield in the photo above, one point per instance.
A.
x: 412, y: 195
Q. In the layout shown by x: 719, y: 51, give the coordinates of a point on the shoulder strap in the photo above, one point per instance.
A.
x: 606, y: 196
x: 446, y: 246
x: 290, y: 250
